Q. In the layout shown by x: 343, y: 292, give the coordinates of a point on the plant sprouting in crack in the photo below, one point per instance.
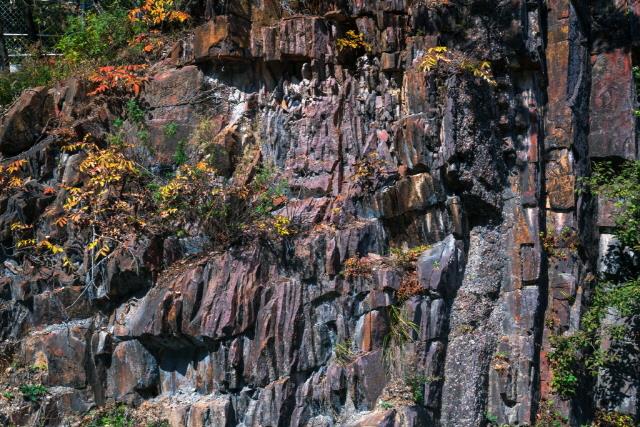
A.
x: 441, y: 59
x: 352, y: 40
x: 601, y: 346
x: 367, y: 170
x: 404, y: 260
x: 228, y: 212
x: 343, y: 352
x: 400, y: 332
x: 33, y: 392
x: 356, y: 267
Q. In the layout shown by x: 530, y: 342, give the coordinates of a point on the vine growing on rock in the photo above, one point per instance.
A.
x: 609, y: 329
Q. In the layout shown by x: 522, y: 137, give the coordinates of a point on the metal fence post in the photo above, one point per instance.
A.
x: 4, y: 55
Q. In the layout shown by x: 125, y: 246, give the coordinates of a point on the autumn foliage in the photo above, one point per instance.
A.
x: 441, y: 58
x: 155, y: 13
x: 124, y: 79
x: 10, y: 175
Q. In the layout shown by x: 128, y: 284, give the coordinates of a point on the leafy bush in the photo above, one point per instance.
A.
x: 158, y: 13
x: 122, y: 81
x: 352, y: 40
x: 416, y: 383
x: 613, y: 419
x: 578, y: 357
x: 405, y: 259
x: 171, y: 129
x: 355, y: 267
x: 549, y: 416
x: 226, y: 211
x: 115, y: 417
x: 33, y: 392
x: 35, y: 71
x: 440, y: 58
x: 96, y: 35
x: 622, y: 185
x: 87, y: 39
x: 180, y: 156
x: 134, y: 112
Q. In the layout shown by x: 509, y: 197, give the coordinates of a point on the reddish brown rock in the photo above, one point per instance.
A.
x: 25, y: 122
x: 133, y: 374
x: 60, y: 351
x: 613, y: 100
x: 306, y: 38
x: 415, y: 193
x: 223, y: 38
x: 560, y: 180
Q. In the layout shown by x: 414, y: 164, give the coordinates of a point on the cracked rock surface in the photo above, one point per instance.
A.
x: 279, y: 335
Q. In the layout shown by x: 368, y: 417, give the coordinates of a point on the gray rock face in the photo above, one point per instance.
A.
x: 378, y: 158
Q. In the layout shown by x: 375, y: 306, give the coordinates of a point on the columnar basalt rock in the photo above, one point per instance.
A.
x: 377, y: 154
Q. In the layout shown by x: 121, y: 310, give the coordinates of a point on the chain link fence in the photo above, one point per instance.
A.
x: 25, y: 22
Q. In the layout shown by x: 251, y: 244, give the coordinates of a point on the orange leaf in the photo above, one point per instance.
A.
x: 48, y: 191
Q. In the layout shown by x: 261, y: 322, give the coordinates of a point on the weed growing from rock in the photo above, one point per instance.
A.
x: 33, y: 392
x: 343, y: 352
x: 401, y: 331
x: 449, y: 62
x: 352, y: 40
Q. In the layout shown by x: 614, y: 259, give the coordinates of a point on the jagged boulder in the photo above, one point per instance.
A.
x: 25, y: 121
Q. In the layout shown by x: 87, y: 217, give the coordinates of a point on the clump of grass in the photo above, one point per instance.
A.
x: 344, y: 354
x: 401, y: 331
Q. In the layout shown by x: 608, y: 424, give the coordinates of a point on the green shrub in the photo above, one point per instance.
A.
x: 578, y: 358
x: 385, y: 405
x: 622, y: 185
x: 135, y: 113
x: 96, y: 36
x: 115, y: 417
x: 416, y: 383
x: 87, y: 39
x: 33, y: 392
x: 171, y: 129
x: 549, y: 416
x: 35, y: 71
x: 271, y: 188
x: 180, y: 156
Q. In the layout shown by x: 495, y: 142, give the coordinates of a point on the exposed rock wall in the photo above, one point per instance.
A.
x: 478, y: 172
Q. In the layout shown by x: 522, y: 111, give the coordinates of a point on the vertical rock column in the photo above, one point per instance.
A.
x: 559, y: 179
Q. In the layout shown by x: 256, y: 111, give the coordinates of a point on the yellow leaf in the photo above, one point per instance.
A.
x: 104, y: 251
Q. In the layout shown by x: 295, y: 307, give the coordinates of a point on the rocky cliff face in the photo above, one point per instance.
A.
x: 321, y: 328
